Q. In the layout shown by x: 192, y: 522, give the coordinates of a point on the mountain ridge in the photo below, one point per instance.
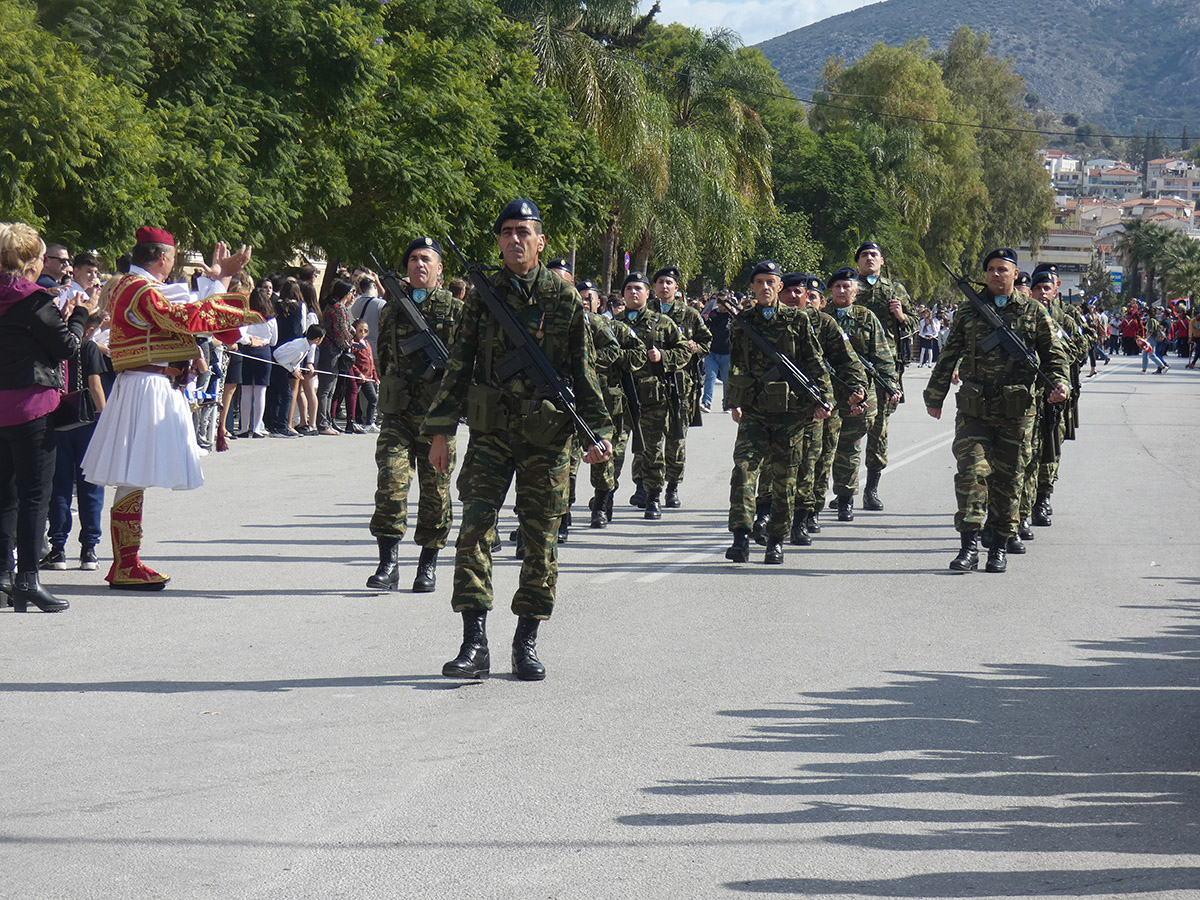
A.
x: 1110, y: 61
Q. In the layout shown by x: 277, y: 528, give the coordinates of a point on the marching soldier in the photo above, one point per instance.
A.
x: 617, y: 352
x: 996, y: 404
x: 514, y: 431
x: 873, y: 346
x: 667, y: 284
x: 666, y: 354
x: 889, y: 301
x: 773, y: 416
x: 407, y: 385
x: 850, y: 387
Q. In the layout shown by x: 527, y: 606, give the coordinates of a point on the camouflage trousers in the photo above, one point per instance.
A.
x: 399, y: 448
x: 676, y: 448
x: 1029, y: 474
x: 877, y: 435
x: 823, y: 469
x: 1051, y: 455
x: 847, y: 458
x: 807, y: 457
x: 992, y: 454
x: 650, y: 465
x: 542, y: 479
x: 772, y: 444
x: 605, y: 474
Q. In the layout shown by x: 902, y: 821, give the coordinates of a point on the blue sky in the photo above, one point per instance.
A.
x: 754, y: 20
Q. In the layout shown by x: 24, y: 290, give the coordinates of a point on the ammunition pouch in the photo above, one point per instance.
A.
x: 773, y: 397
x: 394, y: 396
x: 738, y: 390
x: 651, y: 391
x: 546, y: 425
x: 486, y: 411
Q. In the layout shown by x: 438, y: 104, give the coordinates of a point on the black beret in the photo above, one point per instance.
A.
x: 421, y: 243
x: 518, y: 209
x: 560, y: 263
x: 1023, y: 278
x: 766, y: 267
x: 672, y: 271
x: 1043, y: 277
x: 1006, y: 253
x: 1044, y: 267
x: 634, y: 277
x: 795, y: 279
x: 815, y: 284
x: 867, y: 245
x: 585, y: 284
x: 845, y: 273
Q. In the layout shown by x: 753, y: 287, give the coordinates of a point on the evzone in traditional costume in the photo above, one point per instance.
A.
x: 146, y: 437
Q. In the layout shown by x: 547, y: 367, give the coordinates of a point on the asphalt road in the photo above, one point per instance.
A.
x: 858, y: 722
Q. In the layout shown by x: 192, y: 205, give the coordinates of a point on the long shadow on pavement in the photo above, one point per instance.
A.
x: 1099, y: 757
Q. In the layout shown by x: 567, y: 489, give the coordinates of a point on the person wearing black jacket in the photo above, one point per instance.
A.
x: 34, y: 341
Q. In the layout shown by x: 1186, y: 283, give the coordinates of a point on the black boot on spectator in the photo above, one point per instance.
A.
x: 387, y: 576
x: 845, y: 507
x: 968, y: 555
x: 638, y: 498
x: 55, y: 559
x: 762, y: 514
x: 871, y: 491
x: 26, y: 590
x: 473, y: 660
x: 525, y: 663
x: 426, y: 579
x: 740, y: 551
x: 671, y: 500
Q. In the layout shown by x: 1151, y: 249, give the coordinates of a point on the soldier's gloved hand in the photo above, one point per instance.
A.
x: 597, y: 453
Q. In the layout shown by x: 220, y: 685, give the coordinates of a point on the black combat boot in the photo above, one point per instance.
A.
x: 564, y: 527
x: 519, y: 546
x: 638, y: 498
x: 596, y: 505
x: 387, y: 576
x: 653, y: 510
x: 671, y: 500
x: 608, y: 506
x: 870, y: 498
x: 997, y: 560
x: 985, y: 536
x: 845, y: 507
x: 525, y: 663
x: 812, y: 523
x: 740, y: 551
x: 1042, y: 511
x: 26, y: 590
x: 799, y: 535
x: 968, y: 556
x: 762, y: 514
x: 1015, y: 544
x: 774, y: 552
x: 473, y: 660
x: 1025, y: 530
x: 426, y: 579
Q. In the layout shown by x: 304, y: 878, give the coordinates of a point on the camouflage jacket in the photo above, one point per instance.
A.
x: 877, y: 297
x: 691, y: 326
x: 617, y: 351
x: 868, y: 339
x: 791, y: 332
x: 405, y: 375
x: 839, y: 354
x: 990, y: 371
x: 552, y: 313
x: 654, y: 329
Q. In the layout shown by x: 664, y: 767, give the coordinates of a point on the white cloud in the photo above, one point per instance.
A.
x: 754, y: 20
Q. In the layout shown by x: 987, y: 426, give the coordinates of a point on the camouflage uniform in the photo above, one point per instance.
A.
x: 775, y: 418
x: 513, y: 431
x: 996, y: 404
x: 869, y: 340
x: 692, y: 327
x: 404, y: 396
x: 652, y: 328
x: 876, y: 298
x: 617, y: 351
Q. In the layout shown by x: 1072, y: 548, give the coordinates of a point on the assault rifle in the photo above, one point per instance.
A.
x: 426, y: 339
x: 633, y: 403
x: 1002, y: 335
x: 783, y: 367
x: 872, y: 370
x: 527, y: 356
x: 676, y: 426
